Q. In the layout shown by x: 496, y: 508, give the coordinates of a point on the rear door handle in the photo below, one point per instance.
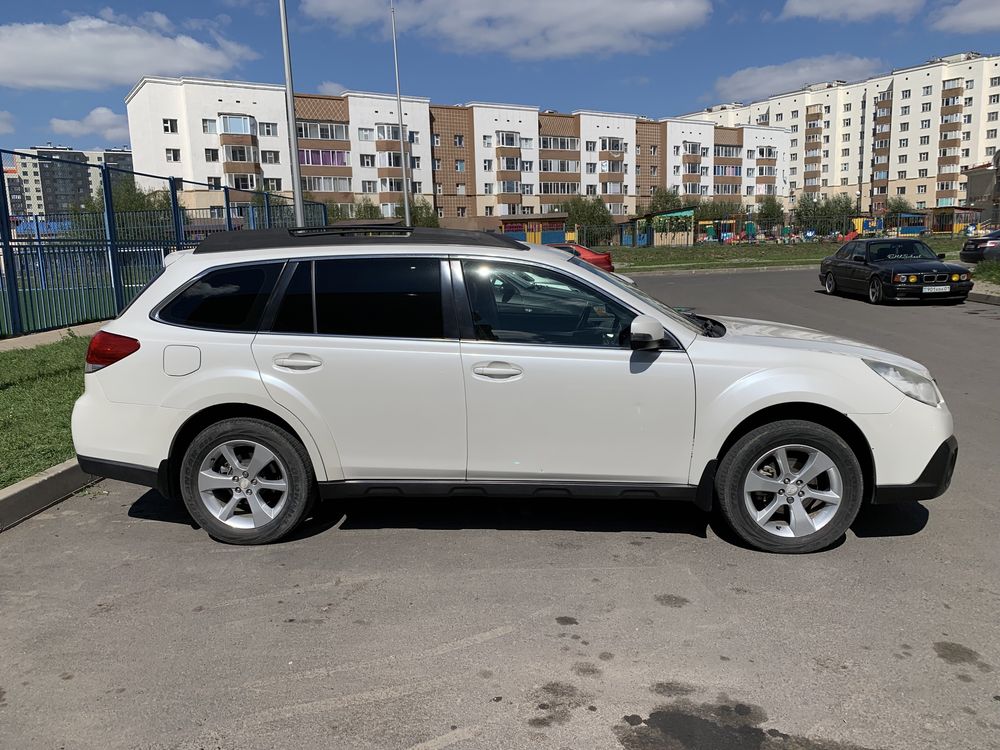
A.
x: 297, y: 362
x: 497, y: 370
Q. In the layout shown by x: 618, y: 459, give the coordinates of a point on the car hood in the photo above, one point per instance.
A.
x: 920, y: 266
x: 797, y: 337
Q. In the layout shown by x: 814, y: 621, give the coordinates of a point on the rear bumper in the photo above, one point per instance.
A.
x: 970, y: 256
x: 932, y: 482
x: 133, y: 473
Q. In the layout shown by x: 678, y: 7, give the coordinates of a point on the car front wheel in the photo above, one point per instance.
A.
x: 876, y: 294
x: 247, y: 481
x: 791, y: 486
x: 830, y: 283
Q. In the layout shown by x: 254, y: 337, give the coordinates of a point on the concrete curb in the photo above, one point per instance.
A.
x: 43, y: 490
x: 668, y: 271
x: 986, y: 299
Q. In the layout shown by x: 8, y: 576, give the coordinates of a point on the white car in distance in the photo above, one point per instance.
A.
x: 265, y: 370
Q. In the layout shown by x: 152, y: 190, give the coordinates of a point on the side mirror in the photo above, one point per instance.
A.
x: 646, y: 333
x: 941, y: 256
x: 859, y: 259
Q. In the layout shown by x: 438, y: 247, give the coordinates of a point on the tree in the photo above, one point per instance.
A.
x: 806, y: 211
x: 664, y: 200
x: 587, y: 212
x: 422, y: 213
x: 897, y: 204
x: 365, y: 209
x: 770, y: 212
x: 139, y: 215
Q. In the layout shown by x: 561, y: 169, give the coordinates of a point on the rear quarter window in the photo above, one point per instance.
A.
x: 226, y: 299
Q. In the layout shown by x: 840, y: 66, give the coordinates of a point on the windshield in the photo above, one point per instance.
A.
x: 884, y: 252
x: 637, y: 292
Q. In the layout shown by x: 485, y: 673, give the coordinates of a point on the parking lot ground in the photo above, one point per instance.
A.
x: 518, y: 625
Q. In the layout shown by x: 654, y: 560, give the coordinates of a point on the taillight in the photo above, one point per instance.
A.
x: 107, y: 348
x: 992, y: 243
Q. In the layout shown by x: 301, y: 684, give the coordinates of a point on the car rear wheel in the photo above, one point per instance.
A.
x: 247, y: 481
x: 830, y: 283
x: 791, y: 486
x: 876, y: 294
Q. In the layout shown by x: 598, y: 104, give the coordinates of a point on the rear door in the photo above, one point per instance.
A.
x: 365, y: 348
x: 855, y: 272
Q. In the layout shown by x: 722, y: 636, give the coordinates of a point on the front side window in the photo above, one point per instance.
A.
x: 227, y: 299
x: 384, y: 297
x: 512, y: 303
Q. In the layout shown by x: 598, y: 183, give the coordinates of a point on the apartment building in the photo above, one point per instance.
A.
x: 910, y: 133
x: 59, y: 182
x: 473, y: 162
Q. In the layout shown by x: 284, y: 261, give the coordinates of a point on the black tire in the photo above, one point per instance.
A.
x: 830, y: 283
x: 876, y: 294
x: 300, y: 477
x: 738, y: 461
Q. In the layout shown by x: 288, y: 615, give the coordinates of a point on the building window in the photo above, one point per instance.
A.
x: 366, y: 134
x: 991, y: 133
x: 653, y: 150
x: 211, y: 154
x: 902, y: 158
x: 272, y: 184
x: 994, y: 98
x: 269, y: 157
x: 215, y: 183
x: 413, y: 136
x: 922, y: 173
x: 487, y: 141
x: 460, y: 212
x: 487, y: 165
x: 439, y: 188
x: 460, y: 188
x: 369, y: 186
x: 488, y: 211
x: 268, y: 129
x: 237, y: 124
x: 242, y: 181
x: 169, y: 125
x: 329, y: 158
x: 386, y: 132
x: 319, y: 184
x: 992, y: 116
x: 414, y: 162
x: 927, y: 90
x: 437, y: 164
x: 209, y: 126
x: 591, y: 189
x: 367, y: 160
x: 904, y: 142
x: 925, y: 140
x: 924, y: 124
x: 508, y: 139
x: 173, y: 154
x: 459, y: 165
x: 459, y: 141
x: 488, y: 188
x: 923, y: 156
x: 527, y: 166
x: 591, y: 145
x: 436, y: 139
x: 440, y: 213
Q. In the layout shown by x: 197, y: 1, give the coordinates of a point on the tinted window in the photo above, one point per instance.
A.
x: 229, y: 299
x: 390, y: 297
x: 295, y: 313
x: 845, y: 252
x: 533, y: 305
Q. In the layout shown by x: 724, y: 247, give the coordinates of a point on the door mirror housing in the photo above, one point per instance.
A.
x: 859, y: 259
x: 645, y: 333
x: 941, y: 256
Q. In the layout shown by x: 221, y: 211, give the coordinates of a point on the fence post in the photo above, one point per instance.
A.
x: 228, y: 209
x: 267, y: 210
x: 111, y: 233
x: 326, y: 215
x: 9, y: 273
x: 175, y: 212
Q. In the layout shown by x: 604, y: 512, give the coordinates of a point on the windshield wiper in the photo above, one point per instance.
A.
x: 706, y: 325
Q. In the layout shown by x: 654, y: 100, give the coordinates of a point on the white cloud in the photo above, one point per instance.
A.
x: 332, y: 88
x: 849, y: 10
x: 968, y: 17
x: 524, y: 29
x: 750, y: 84
x: 6, y: 122
x: 88, y: 52
x: 99, y: 121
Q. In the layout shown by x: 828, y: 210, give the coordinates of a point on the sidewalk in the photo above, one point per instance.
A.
x: 48, y: 337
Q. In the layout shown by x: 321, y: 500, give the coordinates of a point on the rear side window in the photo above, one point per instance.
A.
x: 384, y: 297
x: 228, y: 299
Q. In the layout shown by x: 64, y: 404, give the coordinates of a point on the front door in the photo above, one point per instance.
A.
x: 554, y: 393
x: 360, y: 347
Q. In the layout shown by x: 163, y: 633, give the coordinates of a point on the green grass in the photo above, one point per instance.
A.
x: 712, y: 255
x: 37, y: 389
x: 988, y: 271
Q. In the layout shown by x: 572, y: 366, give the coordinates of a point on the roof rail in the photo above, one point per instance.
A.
x: 352, y: 234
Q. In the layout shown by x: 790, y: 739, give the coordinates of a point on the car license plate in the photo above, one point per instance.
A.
x: 932, y: 289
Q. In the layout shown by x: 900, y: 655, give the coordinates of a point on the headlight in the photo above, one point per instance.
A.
x: 911, y: 383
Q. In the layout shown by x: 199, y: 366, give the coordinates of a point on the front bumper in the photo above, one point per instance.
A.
x: 932, y: 482
x: 959, y: 290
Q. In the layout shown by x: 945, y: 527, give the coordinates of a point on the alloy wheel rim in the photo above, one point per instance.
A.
x: 243, y: 484
x: 830, y: 283
x: 875, y: 291
x: 793, y: 491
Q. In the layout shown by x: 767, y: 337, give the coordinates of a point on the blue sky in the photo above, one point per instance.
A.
x: 66, y: 65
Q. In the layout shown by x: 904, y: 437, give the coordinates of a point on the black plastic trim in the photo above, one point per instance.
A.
x: 932, y: 482
x: 100, y: 467
x: 348, y: 489
x: 324, y: 237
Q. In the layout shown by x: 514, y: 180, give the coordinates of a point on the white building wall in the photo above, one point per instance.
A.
x: 597, y: 125
x: 489, y: 119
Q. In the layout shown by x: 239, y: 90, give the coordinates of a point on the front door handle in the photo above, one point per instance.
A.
x: 497, y: 370
x: 296, y: 362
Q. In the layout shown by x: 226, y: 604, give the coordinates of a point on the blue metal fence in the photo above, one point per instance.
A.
x: 86, y: 264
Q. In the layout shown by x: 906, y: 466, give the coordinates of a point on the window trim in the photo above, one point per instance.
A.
x: 463, y: 306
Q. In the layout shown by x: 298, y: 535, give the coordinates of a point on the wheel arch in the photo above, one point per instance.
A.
x: 169, y: 473
x: 810, y: 412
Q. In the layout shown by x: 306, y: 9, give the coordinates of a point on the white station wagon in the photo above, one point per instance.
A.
x: 264, y: 370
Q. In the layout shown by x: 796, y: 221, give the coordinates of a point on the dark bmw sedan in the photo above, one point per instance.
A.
x: 894, y: 269
x: 978, y: 249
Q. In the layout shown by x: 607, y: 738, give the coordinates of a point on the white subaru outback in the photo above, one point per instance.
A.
x: 264, y: 370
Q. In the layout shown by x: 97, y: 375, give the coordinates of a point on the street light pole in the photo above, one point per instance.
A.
x: 293, y: 140
x: 399, y: 109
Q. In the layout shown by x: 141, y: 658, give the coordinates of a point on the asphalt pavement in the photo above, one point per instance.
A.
x: 530, y: 625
